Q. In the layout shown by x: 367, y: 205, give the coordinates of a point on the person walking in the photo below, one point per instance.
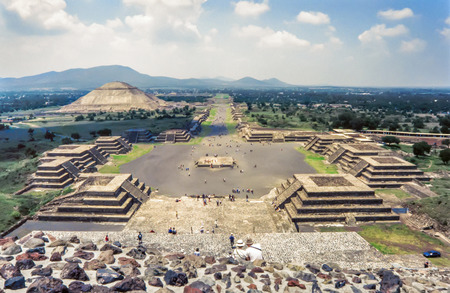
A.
x: 140, y: 237
x: 231, y: 240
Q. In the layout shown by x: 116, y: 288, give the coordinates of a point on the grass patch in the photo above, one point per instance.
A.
x: 399, y: 239
x: 229, y: 123
x: 14, y: 173
x: 332, y: 229
x: 317, y: 162
x: 14, y: 207
x: 212, y: 114
x: 119, y: 160
x: 400, y: 194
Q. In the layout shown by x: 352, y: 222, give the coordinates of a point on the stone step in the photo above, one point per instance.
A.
x: 312, y: 194
x: 360, y: 217
x: 60, y: 178
x: 53, y: 185
x: 50, y: 173
x: 134, y: 181
x: 328, y: 200
x: 147, y: 190
x: 106, y: 201
x: 386, y: 178
x: 330, y: 209
x: 89, y: 217
x: 102, y: 209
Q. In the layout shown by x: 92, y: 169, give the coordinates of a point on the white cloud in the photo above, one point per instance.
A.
x: 413, y: 46
x: 378, y: 32
x: 335, y: 41
x: 250, y: 8
x: 447, y: 20
x: 396, y: 14
x: 445, y: 32
x: 313, y: 17
x: 267, y: 37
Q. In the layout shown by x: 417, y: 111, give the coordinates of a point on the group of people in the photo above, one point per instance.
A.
x: 251, y: 253
x: 172, y: 230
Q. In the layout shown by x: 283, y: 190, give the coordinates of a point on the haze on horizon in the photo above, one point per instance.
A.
x: 342, y: 43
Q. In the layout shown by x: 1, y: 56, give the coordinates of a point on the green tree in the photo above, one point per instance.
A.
x: 445, y: 155
x: 420, y: 148
x: 390, y: 139
x: 31, y: 133
x: 75, y: 136
x: 79, y: 118
x: 49, y: 135
x: 446, y: 142
x: 104, y: 132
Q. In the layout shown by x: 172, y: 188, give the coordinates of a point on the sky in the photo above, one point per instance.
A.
x: 301, y: 42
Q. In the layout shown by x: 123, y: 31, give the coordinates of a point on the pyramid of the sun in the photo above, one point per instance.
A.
x: 114, y: 97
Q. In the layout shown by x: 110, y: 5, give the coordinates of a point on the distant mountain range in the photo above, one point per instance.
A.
x: 91, y: 78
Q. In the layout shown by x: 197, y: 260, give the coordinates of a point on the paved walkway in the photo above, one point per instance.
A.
x: 275, y: 163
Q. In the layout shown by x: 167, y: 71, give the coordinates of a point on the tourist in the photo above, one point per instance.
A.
x: 253, y: 250
x: 197, y: 252
x: 202, y: 230
x: 246, y: 197
x: 140, y: 237
x: 215, y: 223
x: 239, y: 252
x: 174, y: 231
x: 106, y: 238
x: 176, y: 214
x: 170, y: 230
x: 231, y: 240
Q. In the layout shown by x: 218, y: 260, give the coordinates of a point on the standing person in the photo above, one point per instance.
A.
x: 106, y: 238
x: 197, y: 252
x: 239, y: 252
x: 246, y: 197
x: 231, y: 240
x: 215, y: 223
x: 140, y: 237
x: 253, y: 250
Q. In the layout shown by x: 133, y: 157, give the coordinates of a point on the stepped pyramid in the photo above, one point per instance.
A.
x: 114, y: 97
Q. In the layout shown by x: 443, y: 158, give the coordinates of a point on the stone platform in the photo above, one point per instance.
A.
x: 215, y: 162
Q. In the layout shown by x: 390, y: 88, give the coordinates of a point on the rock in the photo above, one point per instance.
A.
x: 100, y: 289
x: 6, y: 258
x: 218, y: 276
x: 265, y: 281
x: 40, y: 250
x: 73, y: 259
x: 89, y: 246
x: 6, y: 240
x: 126, y: 260
x: 315, y: 288
x: 237, y: 280
x: 130, y: 284
x: 60, y: 249
x: 164, y: 290
x: 43, y: 272
x: 34, y: 242
x: 240, y: 288
x: 155, y: 270
x: 25, y: 264
x: 210, y: 260
x: 77, y: 286
x: 277, y: 265
x: 219, y: 288
x: 208, y: 281
x: 390, y: 282
x: 175, y: 278
x: 248, y: 279
x: 24, y: 239
x: 199, y: 287
x: 8, y: 244
x: 39, y: 234
x: 106, y: 276
x: 238, y: 269
x: 196, y: 261
x: 117, y: 243
x: 156, y: 260
x: 47, y: 285
x: 339, y: 284
x: 13, y: 249
x: 84, y: 255
x: 370, y: 286
x: 56, y: 266
x: 74, y: 239
x: 189, y: 269
x: 94, y: 265
x: 334, y: 266
x: 56, y: 256
x: 259, y: 262
x: 326, y: 268
x: 276, y: 287
x: 257, y: 270
x: 107, y: 257
x: 73, y: 271
x: 293, y: 283
x: 137, y: 253
x: 356, y: 280
x: 253, y: 275
x: 269, y: 269
x: 108, y: 246
x: 337, y: 275
x: 266, y: 288
x: 174, y: 256
x: 156, y: 282
x: 313, y: 268
x: 355, y: 290
x: 9, y: 270
x: 252, y: 287
x: 351, y: 272
x: 15, y: 283
x: 33, y: 256
x: 323, y: 276
x: 129, y: 270
x: 57, y: 243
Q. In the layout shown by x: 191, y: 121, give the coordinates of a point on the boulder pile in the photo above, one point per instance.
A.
x: 39, y: 262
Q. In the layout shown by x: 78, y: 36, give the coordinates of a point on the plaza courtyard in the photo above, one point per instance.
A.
x: 170, y: 169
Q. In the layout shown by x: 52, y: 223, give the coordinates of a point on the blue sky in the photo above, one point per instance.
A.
x: 313, y: 42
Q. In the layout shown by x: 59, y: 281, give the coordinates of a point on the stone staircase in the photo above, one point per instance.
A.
x: 100, y: 198
x: 311, y: 142
x: 113, y: 145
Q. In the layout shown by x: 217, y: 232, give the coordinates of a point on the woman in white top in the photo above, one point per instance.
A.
x: 239, y: 253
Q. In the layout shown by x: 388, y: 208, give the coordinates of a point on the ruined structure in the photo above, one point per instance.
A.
x: 173, y: 136
x: 138, y: 135
x: 260, y: 134
x: 319, y: 143
x: 61, y: 166
x: 330, y: 198
x: 99, y: 198
x: 113, y: 145
x: 195, y: 126
x: 215, y: 162
x: 115, y: 97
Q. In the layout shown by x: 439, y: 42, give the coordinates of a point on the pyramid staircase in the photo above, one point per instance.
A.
x: 115, y: 199
x: 174, y: 136
x: 113, y: 145
x: 305, y: 202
